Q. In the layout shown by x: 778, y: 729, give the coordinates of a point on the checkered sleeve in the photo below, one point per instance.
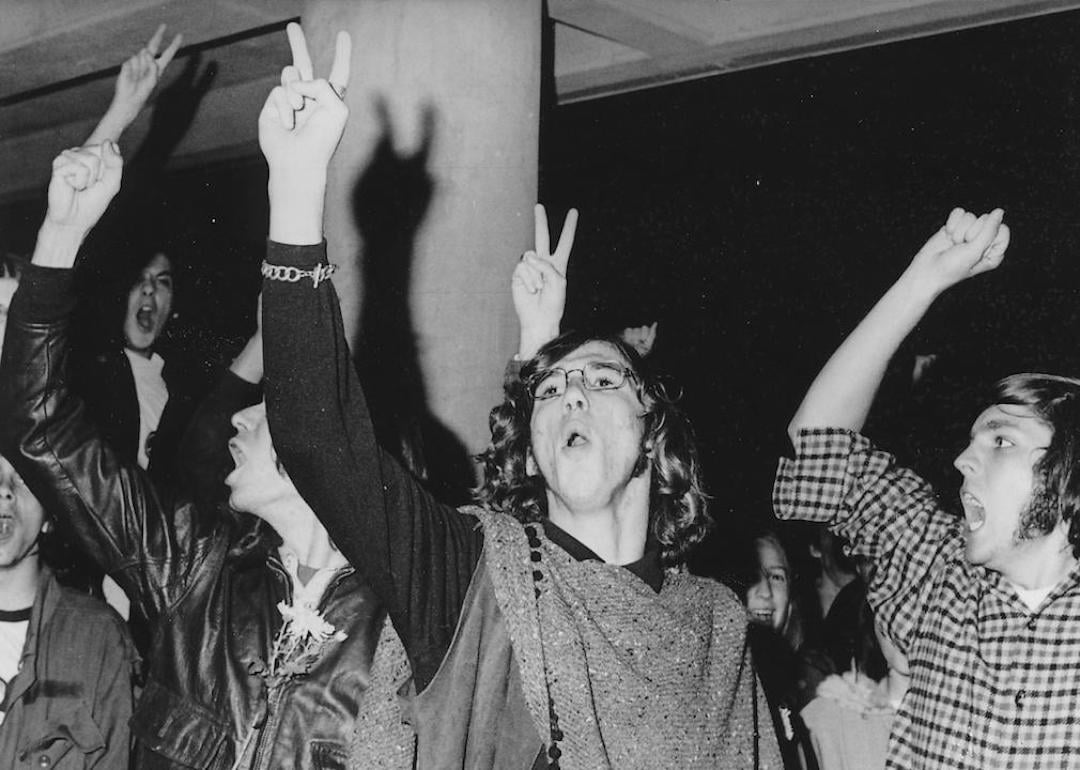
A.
x: 883, y: 511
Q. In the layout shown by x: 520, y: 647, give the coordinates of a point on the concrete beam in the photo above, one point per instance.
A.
x: 757, y: 35
x: 612, y: 20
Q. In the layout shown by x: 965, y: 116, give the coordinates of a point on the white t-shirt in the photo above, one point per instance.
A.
x: 13, y: 628
x: 152, y: 393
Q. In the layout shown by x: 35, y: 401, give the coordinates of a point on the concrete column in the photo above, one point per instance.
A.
x: 430, y: 195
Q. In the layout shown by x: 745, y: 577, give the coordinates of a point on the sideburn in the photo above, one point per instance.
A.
x: 1040, y: 516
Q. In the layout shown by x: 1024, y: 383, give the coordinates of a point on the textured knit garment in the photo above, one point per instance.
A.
x: 993, y: 683
x: 636, y: 679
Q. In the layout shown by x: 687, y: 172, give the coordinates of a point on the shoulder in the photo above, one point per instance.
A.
x: 94, y: 614
x: 708, y: 593
x: 80, y: 625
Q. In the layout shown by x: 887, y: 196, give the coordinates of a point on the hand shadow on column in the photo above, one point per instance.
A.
x: 389, y: 203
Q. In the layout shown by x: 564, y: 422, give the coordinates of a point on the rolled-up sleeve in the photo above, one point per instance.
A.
x: 884, y: 511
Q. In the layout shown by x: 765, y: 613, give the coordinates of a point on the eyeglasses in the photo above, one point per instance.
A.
x: 595, y: 375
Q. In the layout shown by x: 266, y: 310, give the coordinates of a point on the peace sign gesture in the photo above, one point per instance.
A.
x: 141, y: 73
x: 302, y: 120
x: 299, y: 128
x: 539, y: 284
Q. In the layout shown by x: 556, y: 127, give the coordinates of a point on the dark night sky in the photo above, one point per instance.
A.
x: 758, y: 215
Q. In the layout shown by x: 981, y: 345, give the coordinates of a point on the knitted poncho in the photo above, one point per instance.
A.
x: 617, y: 675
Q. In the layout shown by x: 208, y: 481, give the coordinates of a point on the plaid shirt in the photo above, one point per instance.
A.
x: 993, y: 684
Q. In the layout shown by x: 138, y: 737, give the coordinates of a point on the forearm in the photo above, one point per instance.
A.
x: 418, y: 554
x: 108, y: 506
x: 112, y: 124
x: 885, y: 512
x: 842, y: 393
x: 57, y: 246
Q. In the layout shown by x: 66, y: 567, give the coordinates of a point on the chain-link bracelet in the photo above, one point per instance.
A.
x: 317, y: 274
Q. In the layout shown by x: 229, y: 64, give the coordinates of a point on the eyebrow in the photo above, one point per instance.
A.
x: 997, y: 423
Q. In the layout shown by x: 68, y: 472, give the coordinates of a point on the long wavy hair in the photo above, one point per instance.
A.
x: 678, y: 518
x: 1056, y: 401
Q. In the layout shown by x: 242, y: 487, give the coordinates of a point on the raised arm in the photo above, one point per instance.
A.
x: 138, y: 78
x: 418, y: 555
x: 539, y: 284
x: 109, y: 505
x: 842, y: 393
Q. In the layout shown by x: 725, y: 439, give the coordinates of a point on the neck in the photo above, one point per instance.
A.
x: 615, y: 531
x: 19, y: 584
x: 303, y: 534
x: 828, y: 586
x: 1042, y: 563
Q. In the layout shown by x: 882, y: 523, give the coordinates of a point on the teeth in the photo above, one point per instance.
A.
x: 7, y: 526
x: 974, y: 513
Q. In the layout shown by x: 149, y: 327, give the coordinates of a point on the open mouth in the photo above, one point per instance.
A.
x: 574, y: 434
x: 7, y: 527
x: 762, y: 616
x: 974, y: 512
x: 237, y: 457
x: 144, y: 318
x: 576, y: 439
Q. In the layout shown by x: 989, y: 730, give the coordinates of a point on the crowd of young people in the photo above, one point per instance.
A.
x: 323, y: 609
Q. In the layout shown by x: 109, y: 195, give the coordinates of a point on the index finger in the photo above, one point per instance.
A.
x: 300, y: 57
x: 339, y: 72
x: 566, y: 241
x: 155, y: 39
x: 168, y: 54
x: 542, y: 244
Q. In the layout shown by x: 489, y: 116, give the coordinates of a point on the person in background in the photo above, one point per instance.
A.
x: 776, y: 636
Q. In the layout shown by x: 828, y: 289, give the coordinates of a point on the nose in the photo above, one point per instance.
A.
x: 762, y: 588
x: 240, y: 420
x: 965, y: 462
x: 576, y: 396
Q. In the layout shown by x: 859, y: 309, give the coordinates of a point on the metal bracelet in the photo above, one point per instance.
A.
x: 291, y: 274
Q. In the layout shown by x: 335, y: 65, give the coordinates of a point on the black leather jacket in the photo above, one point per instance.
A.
x: 209, y: 584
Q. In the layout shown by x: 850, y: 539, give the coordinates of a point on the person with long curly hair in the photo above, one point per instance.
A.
x: 554, y: 624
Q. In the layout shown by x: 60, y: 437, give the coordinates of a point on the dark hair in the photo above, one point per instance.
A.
x: 12, y: 265
x: 677, y: 511
x: 1055, y: 401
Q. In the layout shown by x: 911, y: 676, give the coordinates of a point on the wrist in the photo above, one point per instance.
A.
x: 296, y: 219
x: 919, y: 289
x: 296, y: 212
x: 531, y: 340
x: 57, y: 245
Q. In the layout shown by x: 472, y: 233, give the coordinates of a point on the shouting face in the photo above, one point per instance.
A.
x: 999, y: 479
x: 586, y: 436
x: 149, y: 305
